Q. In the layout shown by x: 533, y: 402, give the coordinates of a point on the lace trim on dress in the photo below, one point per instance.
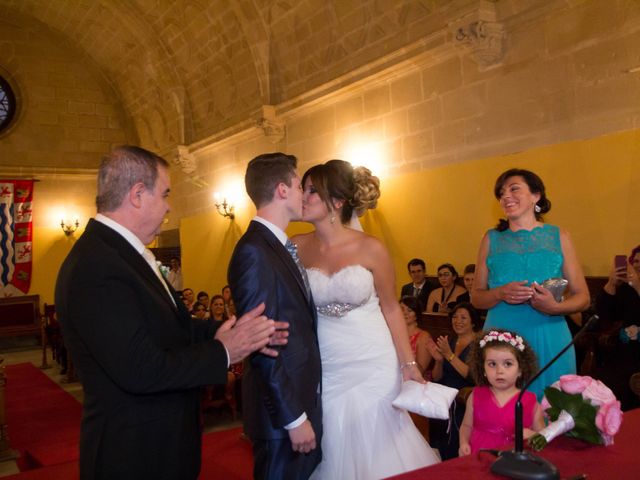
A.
x: 520, y: 242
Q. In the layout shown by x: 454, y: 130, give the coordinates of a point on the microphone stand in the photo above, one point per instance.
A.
x: 523, y: 465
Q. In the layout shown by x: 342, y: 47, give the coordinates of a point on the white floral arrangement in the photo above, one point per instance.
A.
x: 506, y: 337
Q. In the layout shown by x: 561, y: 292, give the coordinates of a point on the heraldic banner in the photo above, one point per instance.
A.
x: 16, y: 236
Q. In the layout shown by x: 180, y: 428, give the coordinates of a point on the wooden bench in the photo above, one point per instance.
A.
x: 20, y: 316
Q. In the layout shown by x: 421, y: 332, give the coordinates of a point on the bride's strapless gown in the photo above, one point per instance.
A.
x: 365, y: 437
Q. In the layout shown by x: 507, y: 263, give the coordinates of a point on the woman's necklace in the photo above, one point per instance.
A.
x: 443, y: 300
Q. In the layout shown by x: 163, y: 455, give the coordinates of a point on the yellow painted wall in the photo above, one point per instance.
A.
x: 441, y: 214
x: 54, y: 197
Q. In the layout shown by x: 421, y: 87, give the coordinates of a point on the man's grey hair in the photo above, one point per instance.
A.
x: 122, y: 169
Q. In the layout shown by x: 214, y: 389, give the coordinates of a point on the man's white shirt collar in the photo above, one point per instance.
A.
x: 128, y: 235
x: 277, y: 231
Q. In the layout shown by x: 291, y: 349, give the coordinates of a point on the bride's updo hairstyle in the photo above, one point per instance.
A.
x: 535, y: 186
x: 338, y: 180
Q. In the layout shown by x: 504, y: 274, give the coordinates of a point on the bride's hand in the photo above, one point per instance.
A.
x: 412, y: 373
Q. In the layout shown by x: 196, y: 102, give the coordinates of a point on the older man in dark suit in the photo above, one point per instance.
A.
x: 282, y: 408
x: 139, y: 355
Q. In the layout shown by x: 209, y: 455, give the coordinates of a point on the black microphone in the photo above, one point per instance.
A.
x: 523, y: 465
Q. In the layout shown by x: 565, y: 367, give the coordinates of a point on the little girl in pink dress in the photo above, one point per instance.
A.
x: 501, y: 362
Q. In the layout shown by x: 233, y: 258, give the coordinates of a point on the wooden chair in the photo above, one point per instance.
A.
x: 634, y: 383
x: 221, y: 396
x: 51, y: 335
x: 53, y: 338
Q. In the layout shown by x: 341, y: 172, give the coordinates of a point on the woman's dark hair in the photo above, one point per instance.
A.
x: 527, y: 361
x: 197, y: 305
x: 473, y: 313
x: 449, y: 267
x: 338, y: 180
x: 413, y: 303
x: 535, y: 186
x: 634, y: 252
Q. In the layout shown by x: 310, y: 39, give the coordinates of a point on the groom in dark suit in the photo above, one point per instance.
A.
x: 282, y: 408
x: 139, y: 355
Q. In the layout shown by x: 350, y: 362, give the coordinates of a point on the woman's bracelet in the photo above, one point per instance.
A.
x: 450, y: 357
x: 408, y: 364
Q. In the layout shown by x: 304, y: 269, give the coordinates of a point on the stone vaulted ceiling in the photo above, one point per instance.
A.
x: 186, y: 69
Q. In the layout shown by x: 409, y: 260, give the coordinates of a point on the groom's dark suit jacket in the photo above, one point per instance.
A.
x: 141, y: 359
x: 276, y: 391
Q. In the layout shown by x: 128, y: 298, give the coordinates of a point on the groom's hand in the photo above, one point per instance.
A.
x: 303, y: 438
x: 279, y: 337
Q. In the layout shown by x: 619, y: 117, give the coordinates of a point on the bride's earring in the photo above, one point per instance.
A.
x: 332, y: 218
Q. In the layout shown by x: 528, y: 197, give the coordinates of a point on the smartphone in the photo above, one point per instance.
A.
x: 620, y: 261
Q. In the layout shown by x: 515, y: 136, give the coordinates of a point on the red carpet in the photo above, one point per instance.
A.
x: 44, y: 426
x: 226, y: 455
x: 43, y: 420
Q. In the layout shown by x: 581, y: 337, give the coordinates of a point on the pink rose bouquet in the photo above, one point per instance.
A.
x: 580, y: 407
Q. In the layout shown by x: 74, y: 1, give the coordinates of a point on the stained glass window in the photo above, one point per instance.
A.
x: 7, y: 104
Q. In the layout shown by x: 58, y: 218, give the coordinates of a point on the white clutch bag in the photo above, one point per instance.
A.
x: 431, y: 400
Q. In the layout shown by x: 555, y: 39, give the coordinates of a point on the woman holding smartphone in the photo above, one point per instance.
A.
x: 618, y: 305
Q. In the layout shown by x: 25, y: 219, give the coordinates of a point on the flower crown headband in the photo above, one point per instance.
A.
x: 506, y: 337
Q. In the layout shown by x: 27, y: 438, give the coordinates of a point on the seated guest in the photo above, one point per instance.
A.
x: 420, y: 287
x: 411, y: 309
x: 618, y: 305
x: 199, y: 311
x: 174, y: 277
x: 468, y: 276
x: 188, y: 298
x: 216, y: 309
x: 443, y: 299
x: 450, y: 369
x: 229, y: 306
x: 203, y: 298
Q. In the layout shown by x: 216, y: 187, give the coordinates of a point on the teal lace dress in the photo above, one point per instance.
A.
x: 534, y: 255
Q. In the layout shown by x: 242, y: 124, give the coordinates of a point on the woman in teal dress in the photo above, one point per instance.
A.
x: 513, y: 261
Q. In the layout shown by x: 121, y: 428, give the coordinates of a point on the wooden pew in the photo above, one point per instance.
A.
x: 20, y: 316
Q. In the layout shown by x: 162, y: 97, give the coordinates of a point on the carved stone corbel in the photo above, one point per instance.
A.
x: 188, y: 164
x: 273, y: 128
x: 486, y: 40
x: 477, y: 30
x: 185, y: 160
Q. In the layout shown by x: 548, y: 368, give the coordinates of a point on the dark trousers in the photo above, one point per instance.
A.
x: 276, y: 460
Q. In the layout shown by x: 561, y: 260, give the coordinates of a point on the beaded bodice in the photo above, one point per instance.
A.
x: 337, y: 294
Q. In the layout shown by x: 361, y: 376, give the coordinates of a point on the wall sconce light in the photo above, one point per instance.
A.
x: 67, y: 228
x: 224, y: 207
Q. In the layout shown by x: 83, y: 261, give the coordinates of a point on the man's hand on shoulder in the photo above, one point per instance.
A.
x: 252, y: 332
x: 303, y: 438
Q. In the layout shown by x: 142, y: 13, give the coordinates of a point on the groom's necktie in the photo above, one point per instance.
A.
x: 292, y: 248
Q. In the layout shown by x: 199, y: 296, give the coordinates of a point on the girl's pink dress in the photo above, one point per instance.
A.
x: 493, y: 425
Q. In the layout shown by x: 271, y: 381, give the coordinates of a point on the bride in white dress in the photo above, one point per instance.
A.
x: 363, y: 340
